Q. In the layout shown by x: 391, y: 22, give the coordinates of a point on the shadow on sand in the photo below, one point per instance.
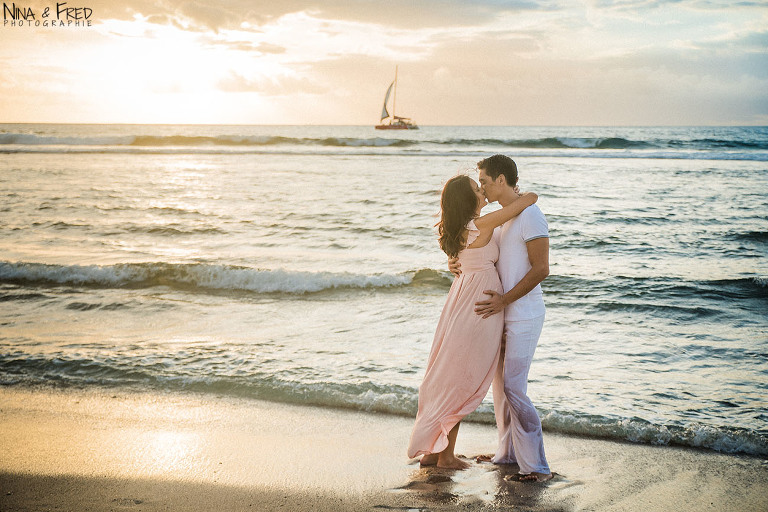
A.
x: 485, y: 486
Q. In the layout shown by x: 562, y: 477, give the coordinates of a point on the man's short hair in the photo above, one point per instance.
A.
x: 500, y: 164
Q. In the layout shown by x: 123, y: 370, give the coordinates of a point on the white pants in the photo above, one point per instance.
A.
x: 520, y: 437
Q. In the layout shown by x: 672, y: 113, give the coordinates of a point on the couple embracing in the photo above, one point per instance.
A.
x: 490, y: 324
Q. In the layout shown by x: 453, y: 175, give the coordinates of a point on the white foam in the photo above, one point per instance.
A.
x: 578, y: 142
x: 222, y: 277
x: 728, y: 440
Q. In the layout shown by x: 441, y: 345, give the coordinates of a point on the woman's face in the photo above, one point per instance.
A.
x: 479, y: 193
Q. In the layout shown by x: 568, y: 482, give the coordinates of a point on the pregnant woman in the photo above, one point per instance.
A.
x: 466, y: 346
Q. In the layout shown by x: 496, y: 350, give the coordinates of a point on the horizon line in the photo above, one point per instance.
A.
x: 372, y: 125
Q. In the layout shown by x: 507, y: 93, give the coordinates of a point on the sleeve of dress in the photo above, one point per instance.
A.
x: 472, y: 233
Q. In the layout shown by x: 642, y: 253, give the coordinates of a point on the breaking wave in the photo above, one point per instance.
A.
x: 612, y: 292
x: 207, y: 277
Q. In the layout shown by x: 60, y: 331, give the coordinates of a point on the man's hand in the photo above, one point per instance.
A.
x: 454, y: 266
x: 495, y: 304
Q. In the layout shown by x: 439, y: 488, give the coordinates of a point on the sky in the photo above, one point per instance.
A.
x: 486, y: 62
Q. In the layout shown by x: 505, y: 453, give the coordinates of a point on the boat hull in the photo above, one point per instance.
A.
x: 398, y: 123
x: 394, y: 127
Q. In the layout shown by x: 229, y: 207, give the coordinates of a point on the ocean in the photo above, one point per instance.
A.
x: 299, y: 264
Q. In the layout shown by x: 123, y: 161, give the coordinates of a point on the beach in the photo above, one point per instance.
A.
x: 299, y: 264
x: 118, y: 450
x: 239, y: 317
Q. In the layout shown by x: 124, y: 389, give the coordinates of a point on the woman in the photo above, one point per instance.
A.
x: 465, y: 350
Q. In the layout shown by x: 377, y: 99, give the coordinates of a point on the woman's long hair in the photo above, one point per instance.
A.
x: 458, y: 204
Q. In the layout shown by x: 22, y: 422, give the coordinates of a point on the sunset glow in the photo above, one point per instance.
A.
x: 592, y: 62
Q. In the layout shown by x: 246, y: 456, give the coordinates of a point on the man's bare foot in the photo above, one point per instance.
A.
x: 429, y: 459
x: 484, y: 458
x: 452, y: 463
x: 534, y: 477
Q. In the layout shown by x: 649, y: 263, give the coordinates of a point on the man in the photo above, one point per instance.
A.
x: 523, y: 264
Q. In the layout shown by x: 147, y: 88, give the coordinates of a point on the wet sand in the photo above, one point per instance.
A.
x: 87, y: 450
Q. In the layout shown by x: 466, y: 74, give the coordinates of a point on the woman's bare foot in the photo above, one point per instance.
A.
x: 451, y: 462
x: 484, y: 458
x: 429, y: 459
x: 534, y: 477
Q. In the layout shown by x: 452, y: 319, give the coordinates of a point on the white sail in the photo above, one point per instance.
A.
x: 384, y: 113
x: 394, y: 122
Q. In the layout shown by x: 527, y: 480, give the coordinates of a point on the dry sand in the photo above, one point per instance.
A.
x: 86, y: 450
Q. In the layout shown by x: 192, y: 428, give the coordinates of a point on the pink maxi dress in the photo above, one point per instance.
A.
x: 464, y: 354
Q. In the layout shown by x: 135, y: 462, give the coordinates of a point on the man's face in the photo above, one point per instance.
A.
x: 489, y: 186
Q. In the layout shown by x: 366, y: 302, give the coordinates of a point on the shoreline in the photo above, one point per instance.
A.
x: 121, y: 450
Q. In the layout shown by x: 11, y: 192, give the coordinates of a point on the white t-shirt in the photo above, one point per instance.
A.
x: 513, y: 261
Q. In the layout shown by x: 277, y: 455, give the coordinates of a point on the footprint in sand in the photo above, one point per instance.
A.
x: 127, y: 502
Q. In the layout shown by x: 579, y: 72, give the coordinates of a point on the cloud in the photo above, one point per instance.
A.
x: 271, y: 85
x: 254, y: 47
x: 486, y: 62
x: 270, y: 48
x: 428, y: 13
x: 632, y: 4
x: 740, y: 41
x: 405, y: 14
x: 206, y: 15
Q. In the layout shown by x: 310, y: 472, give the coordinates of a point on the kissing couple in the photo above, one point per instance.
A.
x: 490, y: 324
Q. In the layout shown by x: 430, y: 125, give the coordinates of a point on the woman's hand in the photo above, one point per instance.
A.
x: 454, y: 266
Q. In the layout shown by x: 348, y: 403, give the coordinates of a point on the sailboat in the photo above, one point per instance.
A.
x: 394, y: 122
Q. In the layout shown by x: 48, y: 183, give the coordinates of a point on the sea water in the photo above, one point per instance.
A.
x: 300, y: 265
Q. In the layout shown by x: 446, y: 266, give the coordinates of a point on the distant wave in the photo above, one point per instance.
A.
x: 721, y: 143
x: 28, y: 139
x: 198, y: 141
x: 180, y: 140
x: 144, y: 373
x: 207, y: 277
x: 717, y: 148
x: 555, y: 143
